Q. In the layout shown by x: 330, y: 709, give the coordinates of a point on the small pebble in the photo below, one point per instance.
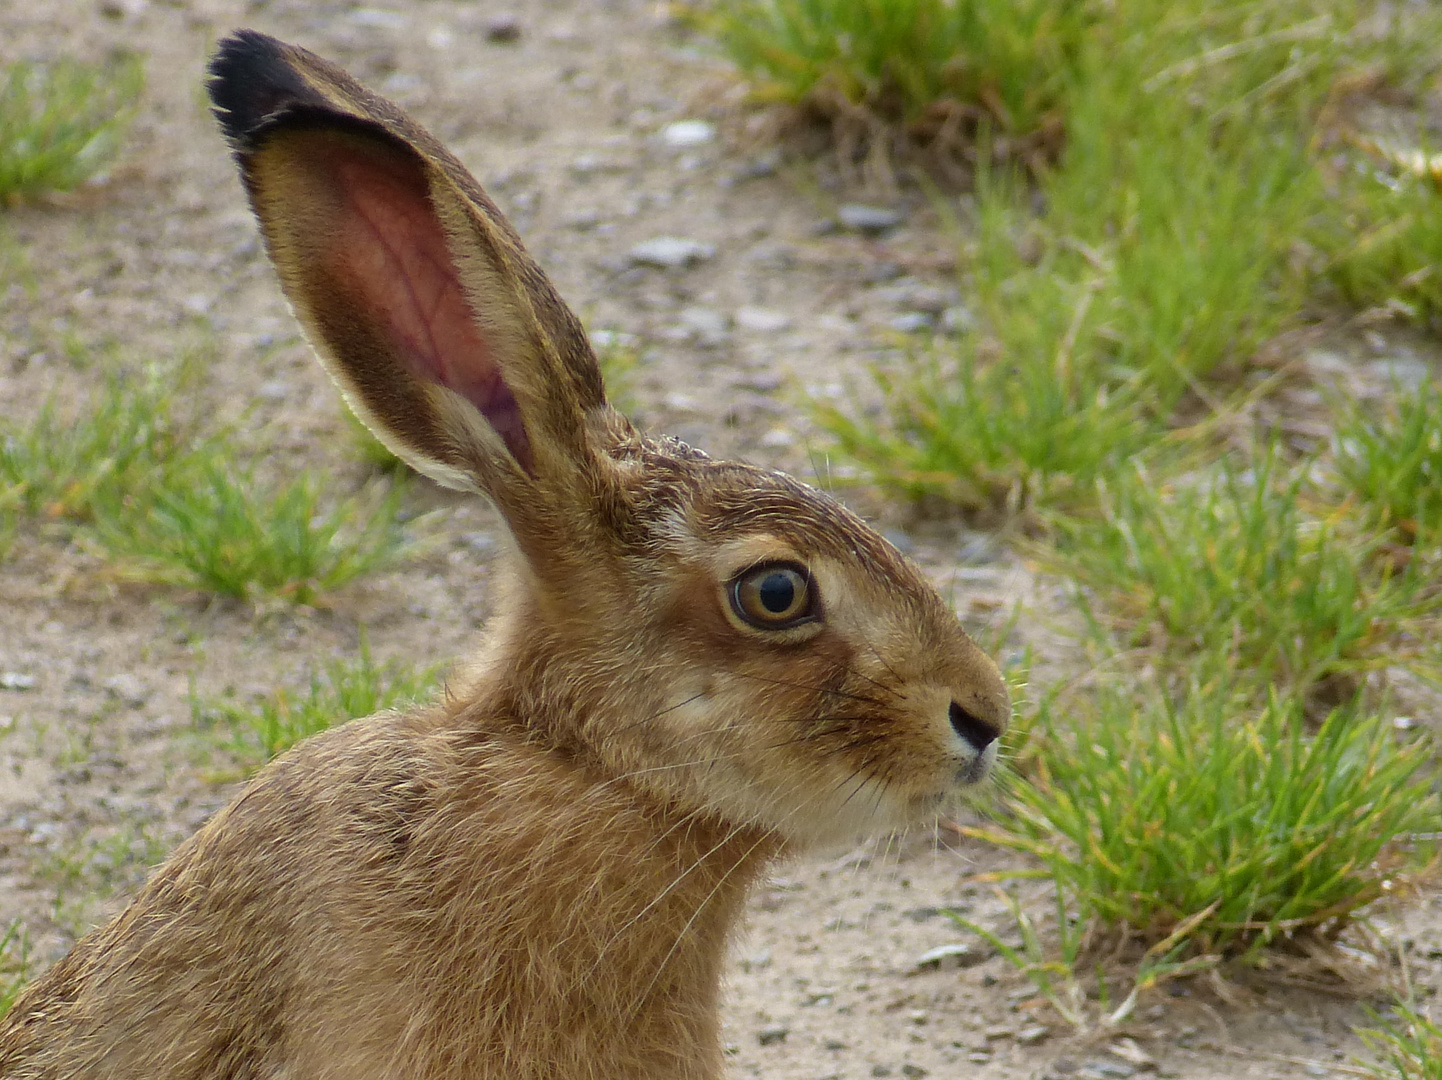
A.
x: 482, y: 543
x: 871, y: 220
x: 128, y: 689
x: 14, y: 680
x: 504, y: 28
x: 671, y: 252
x: 957, y: 319
x: 885, y: 270
x: 1107, y: 1070
x: 949, y: 957
x: 707, y: 327
x: 759, y: 167
x: 1031, y: 1036
x: 763, y: 382
x: 377, y: 19
x: 685, y: 134
x: 910, y: 322
x: 1130, y: 1052
x: 756, y: 961
x: 762, y: 320
x: 608, y: 339
x: 770, y: 1036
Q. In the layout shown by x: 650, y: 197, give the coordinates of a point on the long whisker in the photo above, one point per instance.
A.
x: 662, y: 712
x: 882, y: 661
x: 675, y: 882
x: 879, y: 685
x: 763, y: 838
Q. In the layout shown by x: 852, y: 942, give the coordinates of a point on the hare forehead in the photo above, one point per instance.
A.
x: 708, y: 507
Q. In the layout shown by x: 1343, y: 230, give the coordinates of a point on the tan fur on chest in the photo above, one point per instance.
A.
x: 486, y: 914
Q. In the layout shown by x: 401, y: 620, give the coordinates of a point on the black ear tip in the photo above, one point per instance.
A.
x: 251, y: 78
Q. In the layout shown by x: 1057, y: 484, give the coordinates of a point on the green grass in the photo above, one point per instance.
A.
x: 14, y: 965
x: 89, y: 869
x: 1230, y: 558
x: 343, y: 690
x: 1388, y: 456
x: 1204, y: 828
x: 618, y: 357
x: 128, y: 475
x: 370, y: 450
x: 224, y: 531
x: 908, y: 60
x: 62, y: 463
x: 62, y: 123
x: 1407, y: 1046
x: 1190, y: 219
x: 1384, y: 241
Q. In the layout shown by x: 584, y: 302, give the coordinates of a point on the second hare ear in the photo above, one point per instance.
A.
x: 446, y: 338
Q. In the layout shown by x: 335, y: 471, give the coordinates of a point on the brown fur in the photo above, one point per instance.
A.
x: 536, y: 878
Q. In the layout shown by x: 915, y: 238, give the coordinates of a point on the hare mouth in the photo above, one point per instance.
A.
x: 978, y: 768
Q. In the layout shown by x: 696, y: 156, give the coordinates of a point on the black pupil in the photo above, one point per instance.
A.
x: 777, y: 592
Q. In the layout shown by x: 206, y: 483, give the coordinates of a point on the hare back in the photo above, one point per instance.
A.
x: 400, y: 897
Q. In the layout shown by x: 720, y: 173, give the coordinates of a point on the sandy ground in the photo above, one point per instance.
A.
x: 566, y: 127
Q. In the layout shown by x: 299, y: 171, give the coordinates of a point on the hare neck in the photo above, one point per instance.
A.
x: 584, y: 923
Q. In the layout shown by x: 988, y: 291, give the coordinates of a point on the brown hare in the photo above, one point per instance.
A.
x: 697, y: 667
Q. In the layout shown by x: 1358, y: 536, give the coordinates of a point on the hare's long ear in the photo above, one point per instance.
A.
x: 444, y: 335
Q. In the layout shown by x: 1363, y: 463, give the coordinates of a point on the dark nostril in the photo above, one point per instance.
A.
x: 977, y: 733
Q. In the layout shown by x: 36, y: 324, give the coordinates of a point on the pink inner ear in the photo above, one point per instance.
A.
x: 390, y: 247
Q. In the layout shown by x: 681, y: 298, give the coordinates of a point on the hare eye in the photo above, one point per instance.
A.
x: 773, y: 597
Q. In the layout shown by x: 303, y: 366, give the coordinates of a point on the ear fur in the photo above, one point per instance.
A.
x: 444, y: 335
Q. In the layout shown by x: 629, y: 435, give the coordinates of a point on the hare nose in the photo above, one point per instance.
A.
x: 976, y: 733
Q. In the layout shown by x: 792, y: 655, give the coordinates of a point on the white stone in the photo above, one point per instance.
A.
x: 671, y: 252
x: 684, y: 134
x: 762, y: 320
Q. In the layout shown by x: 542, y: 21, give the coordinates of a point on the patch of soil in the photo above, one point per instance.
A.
x: 101, y: 769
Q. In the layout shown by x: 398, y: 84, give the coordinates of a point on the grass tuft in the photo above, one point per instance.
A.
x: 1390, y: 459
x: 207, y: 528
x: 62, y: 123
x: 14, y: 965
x: 61, y: 466
x: 1407, y: 1046
x: 128, y: 475
x: 1189, y: 220
x: 1206, y: 829
x: 931, y: 64
x: 345, y: 690
x: 1229, y: 559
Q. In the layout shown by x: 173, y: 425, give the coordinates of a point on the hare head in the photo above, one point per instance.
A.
x: 720, y: 637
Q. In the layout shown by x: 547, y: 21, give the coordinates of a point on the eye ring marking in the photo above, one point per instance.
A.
x: 774, y: 596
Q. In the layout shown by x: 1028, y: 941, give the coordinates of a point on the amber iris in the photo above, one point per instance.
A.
x: 773, y: 597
